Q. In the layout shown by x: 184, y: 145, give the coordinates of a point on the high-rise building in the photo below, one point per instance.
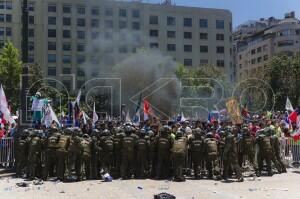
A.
x: 62, y: 33
x: 255, y: 44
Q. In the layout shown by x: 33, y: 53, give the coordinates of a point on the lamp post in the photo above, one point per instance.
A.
x: 24, y: 77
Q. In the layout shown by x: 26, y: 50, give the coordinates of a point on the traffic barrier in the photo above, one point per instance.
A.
x: 7, y: 151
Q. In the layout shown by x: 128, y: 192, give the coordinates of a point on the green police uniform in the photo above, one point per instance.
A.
x: 21, y: 153
x: 196, y: 148
x: 34, y: 157
x: 211, y: 156
x: 62, y: 154
x: 179, y: 152
x: 142, y: 151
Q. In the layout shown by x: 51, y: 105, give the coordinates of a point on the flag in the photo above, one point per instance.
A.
x: 137, y: 116
x: 4, y: 107
x: 182, y: 119
x: 286, y: 121
x: 78, y: 97
x: 293, y: 116
x: 50, y: 116
x: 288, y: 105
x: 85, y: 117
x: 127, y: 119
x: 95, y: 116
x: 234, y: 111
x: 147, y: 110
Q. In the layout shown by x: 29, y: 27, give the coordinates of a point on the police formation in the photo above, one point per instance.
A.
x: 128, y: 152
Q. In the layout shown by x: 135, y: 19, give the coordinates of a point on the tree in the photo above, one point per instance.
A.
x: 283, y: 75
x: 10, y: 70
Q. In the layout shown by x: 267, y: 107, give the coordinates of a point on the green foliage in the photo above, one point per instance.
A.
x: 283, y: 75
x: 10, y: 71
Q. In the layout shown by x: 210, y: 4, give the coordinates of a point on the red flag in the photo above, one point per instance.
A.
x: 146, y: 110
x: 293, y: 116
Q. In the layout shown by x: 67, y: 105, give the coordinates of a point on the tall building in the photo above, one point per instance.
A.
x: 62, y: 33
x: 254, y: 46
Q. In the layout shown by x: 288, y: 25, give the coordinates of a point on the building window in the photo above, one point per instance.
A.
x: 220, y: 37
x: 31, y: 46
x: 80, y: 47
x: 122, y: 24
x: 66, y: 59
x: 203, y: 62
x: 171, y: 21
x: 188, y: 48
x: 285, y: 43
x: 266, y: 57
x: 265, y: 47
x: 187, y: 35
x: 258, y: 49
x: 80, y: 72
x: 51, y: 71
x: 153, y: 20
x: 203, y: 49
x: 220, y: 24
x: 109, y: 24
x: 122, y: 13
x: 220, y: 49
x: 171, y: 34
x: 94, y: 23
x: 80, y: 35
x: 153, y: 45
x: 203, y: 36
x: 153, y: 33
x: 51, y: 58
x: 66, y: 9
x: 108, y: 36
x: 31, y: 7
x: 67, y: 84
x: 51, y: 45
x: 81, y: 22
x: 123, y: 49
x: 253, y: 61
x: 94, y: 35
x: 52, y: 33
x: 220, y: 63
x: 136, y: 25
x: 6, y: 5
x: 253, y: 52
x: 80, y: 59
x: 66, y: 21
x: 188, y: 62
x: 135, y: 13
x: 31, y: 19
x: 66, y: 34
x: 171, y: 47
x: 31, y: 33
x: 66, y: 46
x: 9, y: 18
x: 8, y: 31
x: 30, y: 58
x: 2, y: 18
x: 203, y: 23
x: 2, y: 31
x: 95, y: 11
x: 109, y: 12
x: 259, y: 59
x: 66, y: 70
x: 81, y: 10
x: 187, y: 22
x: 51, y: 8
x: 52, y: 20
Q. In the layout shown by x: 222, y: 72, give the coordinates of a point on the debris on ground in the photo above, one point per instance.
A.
x: 140, y: 187
x: 22, y: 184
x: 38, y: 182
x: 164, y: 196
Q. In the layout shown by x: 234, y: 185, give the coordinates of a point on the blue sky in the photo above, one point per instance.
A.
x: 243, y: 10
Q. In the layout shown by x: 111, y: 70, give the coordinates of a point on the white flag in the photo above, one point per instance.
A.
x: 182, y: 117
x: 50, y: 116
x: 78, y: 97
x: 95, y: 116
x: 127, y: 119
x: 4, y: 107
x: 85, y: 117
x: 288, y: 105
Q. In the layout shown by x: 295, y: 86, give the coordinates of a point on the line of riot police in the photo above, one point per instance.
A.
x: 126, y: 152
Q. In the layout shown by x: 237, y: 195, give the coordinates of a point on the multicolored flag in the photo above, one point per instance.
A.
x: 147, y: 110
x: 95, y: 116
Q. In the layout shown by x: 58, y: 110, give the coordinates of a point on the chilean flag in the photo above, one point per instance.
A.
x: 147, y: 110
